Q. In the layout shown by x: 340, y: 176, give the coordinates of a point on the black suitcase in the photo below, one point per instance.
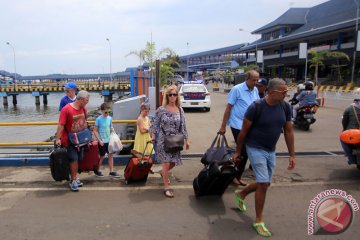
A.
x: 59, y: 164
x: 213, y: 179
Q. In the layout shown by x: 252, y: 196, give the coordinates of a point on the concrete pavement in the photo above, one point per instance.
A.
x: 33, y: 206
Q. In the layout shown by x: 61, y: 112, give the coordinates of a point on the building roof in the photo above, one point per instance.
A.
x: 214, y: 51
x: 293, y: 16
x: 330, y: 16
x: 328, y: 13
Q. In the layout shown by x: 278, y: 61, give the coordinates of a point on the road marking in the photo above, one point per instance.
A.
x: 179, y: 187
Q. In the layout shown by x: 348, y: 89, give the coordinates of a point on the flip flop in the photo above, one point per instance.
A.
x: 168, y: 193
x: 240, y: 203
x: 265, y: 232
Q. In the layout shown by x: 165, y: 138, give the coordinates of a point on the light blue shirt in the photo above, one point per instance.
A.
x: 240, y: 97
x: 104, y: 124
x: 307, y: 97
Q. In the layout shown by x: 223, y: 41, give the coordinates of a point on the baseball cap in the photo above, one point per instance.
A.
x: 71, y: 85
x: 262, y: 82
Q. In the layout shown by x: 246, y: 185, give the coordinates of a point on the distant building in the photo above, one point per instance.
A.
x: 327, y: 26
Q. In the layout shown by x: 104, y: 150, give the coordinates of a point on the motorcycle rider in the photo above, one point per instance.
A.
x: 306, y: 97
x: 349, y: 121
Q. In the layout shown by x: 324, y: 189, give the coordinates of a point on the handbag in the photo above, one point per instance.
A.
x: 174, y: 142
x: 221, y: 153
x: 80, y: 139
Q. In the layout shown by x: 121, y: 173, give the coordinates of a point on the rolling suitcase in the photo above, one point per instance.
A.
x: 213, y: 179
x: 91, y: 159
x: 59, y: 164
x: 138, y: 168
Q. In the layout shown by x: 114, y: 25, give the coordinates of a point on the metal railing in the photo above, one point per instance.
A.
x: 19, y: 144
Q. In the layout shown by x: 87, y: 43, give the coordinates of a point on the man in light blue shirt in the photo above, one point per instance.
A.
x: 239, y: 99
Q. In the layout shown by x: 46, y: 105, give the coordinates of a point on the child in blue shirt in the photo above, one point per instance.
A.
x: 102, y: 129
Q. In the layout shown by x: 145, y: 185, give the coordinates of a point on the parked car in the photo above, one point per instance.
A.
x: 195, y: 95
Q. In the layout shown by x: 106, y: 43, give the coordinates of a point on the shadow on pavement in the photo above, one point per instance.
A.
x: 213, y: 208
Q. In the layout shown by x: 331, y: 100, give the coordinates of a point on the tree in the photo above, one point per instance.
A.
x: 318, y: 58
x: 149, y: 55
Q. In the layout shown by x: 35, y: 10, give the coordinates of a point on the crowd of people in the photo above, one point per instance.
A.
x: 255, y: 132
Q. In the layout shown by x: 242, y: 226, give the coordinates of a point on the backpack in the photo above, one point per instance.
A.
x: 283, y: 104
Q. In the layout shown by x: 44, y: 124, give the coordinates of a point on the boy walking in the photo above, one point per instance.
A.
x: 102, y: 129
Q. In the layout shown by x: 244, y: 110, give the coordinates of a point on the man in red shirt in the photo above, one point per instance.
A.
x: 72, y: 119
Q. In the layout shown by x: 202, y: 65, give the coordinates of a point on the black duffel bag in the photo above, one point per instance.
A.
x: 221, y: 153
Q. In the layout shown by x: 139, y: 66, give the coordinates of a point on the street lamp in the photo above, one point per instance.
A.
x: 110, y: 57
x: 8, y: 43
x: 355, y: 45
x: 187, y: 61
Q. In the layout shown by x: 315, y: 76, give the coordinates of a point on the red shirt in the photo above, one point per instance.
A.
x: 73, y: 121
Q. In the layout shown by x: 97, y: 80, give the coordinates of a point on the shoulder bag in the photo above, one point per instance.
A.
x: 174, y: 142
x: 82, y: 138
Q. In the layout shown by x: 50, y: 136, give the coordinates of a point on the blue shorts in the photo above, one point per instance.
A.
x: 74, y: 153
x: 263, y: 163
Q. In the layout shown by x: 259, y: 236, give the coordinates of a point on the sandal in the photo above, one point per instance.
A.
x: 169, y: 193
x: 241, y: 203
x: 264, y: 232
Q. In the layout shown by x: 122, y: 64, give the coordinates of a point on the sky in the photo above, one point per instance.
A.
x: 69, y: 36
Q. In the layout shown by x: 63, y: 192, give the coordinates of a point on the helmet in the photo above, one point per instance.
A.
x: 309, y: 86
x: 300, y: 87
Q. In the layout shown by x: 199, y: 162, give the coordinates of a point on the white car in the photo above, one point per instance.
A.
x: 195, y: 95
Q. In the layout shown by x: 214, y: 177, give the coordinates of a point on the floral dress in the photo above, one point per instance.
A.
x: 168, y: 122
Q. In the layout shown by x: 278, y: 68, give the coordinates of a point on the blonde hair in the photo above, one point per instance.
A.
x: 166, y: 98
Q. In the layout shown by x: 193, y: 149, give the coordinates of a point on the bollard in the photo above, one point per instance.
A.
x: 45, y: 100
x: 37, y: 100
x: 5, y: 101
x: 14, y: 100
x: 216, y: 87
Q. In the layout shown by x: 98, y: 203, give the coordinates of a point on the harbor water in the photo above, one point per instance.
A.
x: 27, y: 111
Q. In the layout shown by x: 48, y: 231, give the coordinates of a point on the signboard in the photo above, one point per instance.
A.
x: 260, y: 56
x: 303, y: 50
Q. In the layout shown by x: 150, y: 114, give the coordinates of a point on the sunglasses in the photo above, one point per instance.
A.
x: 107, y: 112
x: 283, y: 92
x: 172, y: 95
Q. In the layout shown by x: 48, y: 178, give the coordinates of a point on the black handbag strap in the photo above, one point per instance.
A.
x: 221, y: 141
x: 179, y: 126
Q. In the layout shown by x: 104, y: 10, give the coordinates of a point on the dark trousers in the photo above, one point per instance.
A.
x: 243, y: 155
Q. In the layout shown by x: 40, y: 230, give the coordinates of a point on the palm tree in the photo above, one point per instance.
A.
x: 149, y: 55
x: 318, y: 59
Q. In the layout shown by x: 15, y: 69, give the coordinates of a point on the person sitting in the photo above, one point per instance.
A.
x: 350, y: 121
x: 306, y: 97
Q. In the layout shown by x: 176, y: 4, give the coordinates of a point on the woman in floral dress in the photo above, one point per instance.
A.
x: 169, y: 119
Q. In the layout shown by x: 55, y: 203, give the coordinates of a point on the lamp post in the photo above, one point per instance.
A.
x: 110, y: 58
x: 8, y: 43
x: 187, y: 61
x: 355, y: 41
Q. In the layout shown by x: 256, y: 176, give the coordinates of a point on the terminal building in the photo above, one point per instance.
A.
x: 331, y: 26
